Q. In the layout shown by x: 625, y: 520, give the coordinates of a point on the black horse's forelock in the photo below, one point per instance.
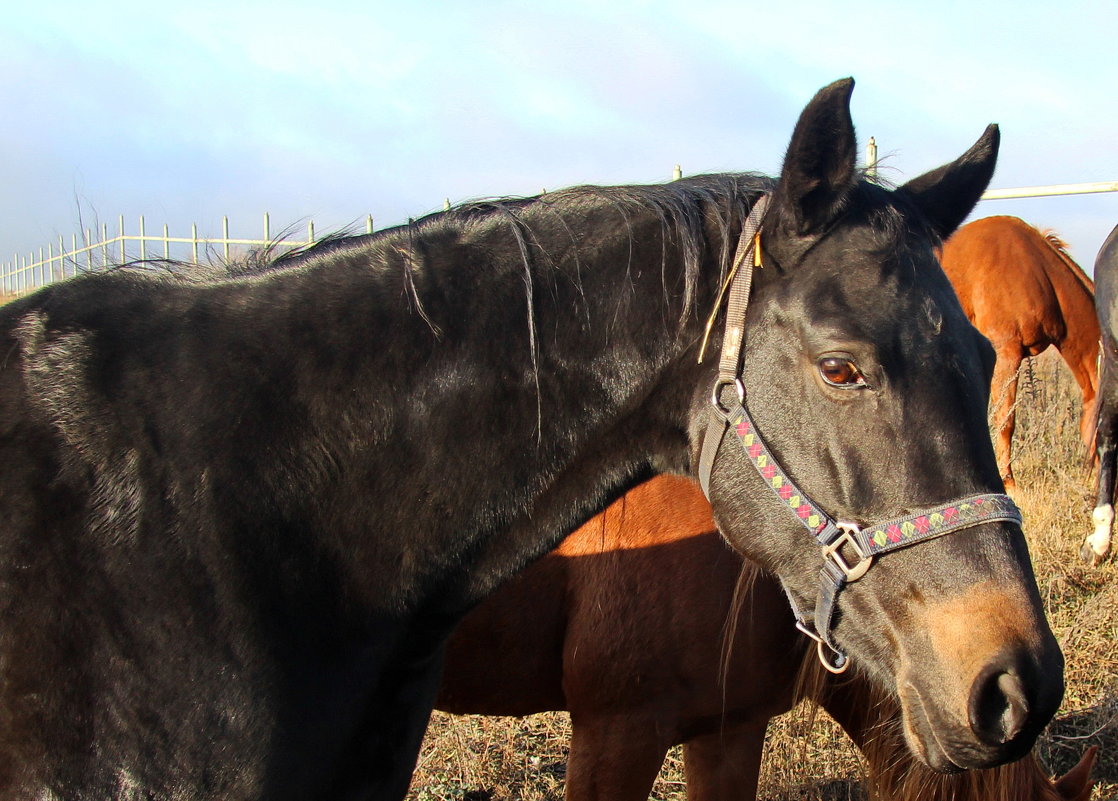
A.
x: 897, y: 223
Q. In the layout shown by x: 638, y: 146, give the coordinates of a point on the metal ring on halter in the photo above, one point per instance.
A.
x: 841, y: 663
x: 716, y: 394
x: 848, y: 537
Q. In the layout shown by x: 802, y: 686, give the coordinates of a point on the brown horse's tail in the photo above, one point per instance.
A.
x: 1057, y: 244
x: 1060, y: 248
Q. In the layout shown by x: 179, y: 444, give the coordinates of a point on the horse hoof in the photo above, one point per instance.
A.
x: 1088, y: 555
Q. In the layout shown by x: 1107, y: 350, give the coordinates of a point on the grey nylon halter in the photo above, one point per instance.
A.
x: 728, y: 411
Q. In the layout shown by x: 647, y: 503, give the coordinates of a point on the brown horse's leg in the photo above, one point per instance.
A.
x: 724, y: 766
x: 1085, y: 377
x: 613, y: 758
x: 1003, y: 397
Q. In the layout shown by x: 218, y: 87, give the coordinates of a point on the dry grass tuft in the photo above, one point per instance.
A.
x: 807, y: 758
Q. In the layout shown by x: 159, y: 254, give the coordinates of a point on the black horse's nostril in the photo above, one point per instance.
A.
x: 999, y: 706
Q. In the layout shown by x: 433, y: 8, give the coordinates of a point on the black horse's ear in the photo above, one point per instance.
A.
x: 819, y: 168
x: 948, y: 194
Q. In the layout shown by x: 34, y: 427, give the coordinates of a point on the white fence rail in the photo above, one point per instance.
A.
x: 26, y: 273
x: 1019, y: 192
x: 96, y: 250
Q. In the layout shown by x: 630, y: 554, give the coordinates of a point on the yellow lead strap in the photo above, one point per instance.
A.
x: 714, y: 312
x: 756, y: 245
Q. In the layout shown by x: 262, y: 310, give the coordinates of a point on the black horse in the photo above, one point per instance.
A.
x: 240, y: 516
x: 1097, y: 545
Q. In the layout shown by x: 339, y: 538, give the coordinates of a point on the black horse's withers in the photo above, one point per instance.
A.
x: 241, y: 514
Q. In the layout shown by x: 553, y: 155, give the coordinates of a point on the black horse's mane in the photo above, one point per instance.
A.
x: 683, y: 207
x: 539, y: 224
x: 680, y: 202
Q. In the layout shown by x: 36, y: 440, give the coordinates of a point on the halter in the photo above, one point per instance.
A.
x: 836, y: 538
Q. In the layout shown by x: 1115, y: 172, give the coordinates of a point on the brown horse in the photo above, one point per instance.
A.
x: 652, y: 632
x: 1024, y: 292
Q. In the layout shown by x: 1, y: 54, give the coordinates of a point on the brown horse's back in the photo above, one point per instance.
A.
x: 1013, y: 283
x: 1024, y: 293
x: 625, y: 614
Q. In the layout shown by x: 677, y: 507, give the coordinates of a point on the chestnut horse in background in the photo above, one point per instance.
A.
x: 652, y: 632
x: 1024, y: 292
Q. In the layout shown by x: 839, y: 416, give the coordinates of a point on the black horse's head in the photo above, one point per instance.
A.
x: 870, y: 387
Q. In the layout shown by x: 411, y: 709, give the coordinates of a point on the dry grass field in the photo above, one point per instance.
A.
x: 476, y: 759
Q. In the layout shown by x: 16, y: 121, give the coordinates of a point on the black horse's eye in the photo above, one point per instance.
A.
x: 839, y: 371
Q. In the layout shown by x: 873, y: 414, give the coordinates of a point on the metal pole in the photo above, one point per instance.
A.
x: 166, y: 243
x: 122, y: 256
x: 143, y: 242
x: 225, y: 236
x: 194, y: 242
x: 1015, y: 192
x: 267, y: 229
x: 1048, y: 191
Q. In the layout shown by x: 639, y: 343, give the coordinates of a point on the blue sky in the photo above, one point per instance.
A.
x: 189, y: 112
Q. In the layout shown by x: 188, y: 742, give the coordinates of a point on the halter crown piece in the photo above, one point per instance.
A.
x: 728, y: 412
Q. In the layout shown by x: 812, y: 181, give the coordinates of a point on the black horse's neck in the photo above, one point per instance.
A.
x: 531, y: 389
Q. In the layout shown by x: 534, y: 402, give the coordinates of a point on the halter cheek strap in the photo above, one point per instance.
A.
x: 728, y: 411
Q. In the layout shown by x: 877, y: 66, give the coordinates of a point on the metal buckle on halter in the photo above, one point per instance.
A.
x: 842, y: 661
x: 832, y: 551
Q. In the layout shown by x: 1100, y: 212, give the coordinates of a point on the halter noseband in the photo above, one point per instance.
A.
x: 728, y: 411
